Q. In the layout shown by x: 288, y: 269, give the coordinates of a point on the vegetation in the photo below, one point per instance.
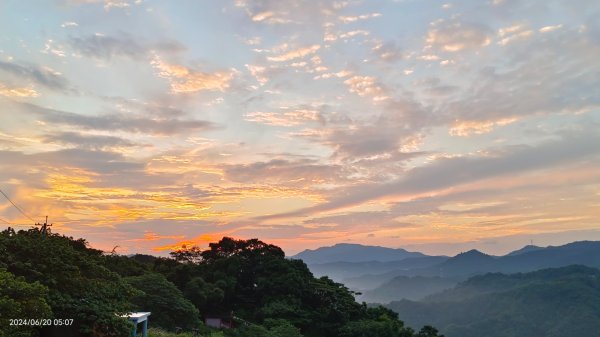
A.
x: 79, y: 286
x: 168, y: 306
x: 560, y: 302
x: 21, y: 299
x: 247, y: 280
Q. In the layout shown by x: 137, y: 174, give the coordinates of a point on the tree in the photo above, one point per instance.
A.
x: 79, y: 286
x: 187, y: 255
x: 22, y: 300
x: 168, y: 306
x: 428, y: 331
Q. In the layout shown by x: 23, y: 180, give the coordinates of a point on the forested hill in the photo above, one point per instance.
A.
x: 559, y: 302
x: 54, y: 276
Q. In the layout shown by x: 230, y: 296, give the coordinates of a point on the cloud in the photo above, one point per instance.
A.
x: 114, y: 122
x: 454, y: 35
x: 354, y: 18
x: 101, y: 162
x: 303, y: 172
x: 295, y: 54
x: 366, y: 86
x: 108, y: 4
x: 513, y: 33
x: 390, y: 136
x: 17, y: 92
x: 51, y: 48
x: 389, y: 51
x: 43, y: 76
x: 287, y: 116
x: 289, y: 12
x: 269, y: 17
x: 547, y: 29
x: 468, y: 128
x: 448, y: 172
x: 87, y: 141
x: 67, y: 24
x: 186, y: 80
x: 259, y: 72
x: 105, y: 47
x: 551, y: 74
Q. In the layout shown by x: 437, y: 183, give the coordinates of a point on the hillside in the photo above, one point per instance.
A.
x: 559, y: 302
x: 367, y: 276
x: 248, y: 281
x: 405, y: 287
x: 345, y: 270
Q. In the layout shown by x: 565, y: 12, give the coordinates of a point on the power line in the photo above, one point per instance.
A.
x: 17, y: 207
x: 13, y: 224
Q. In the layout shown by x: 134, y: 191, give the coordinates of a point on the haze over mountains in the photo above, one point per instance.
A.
x: 530, y: 292
x: 557, y: 302
x: 392, y: 274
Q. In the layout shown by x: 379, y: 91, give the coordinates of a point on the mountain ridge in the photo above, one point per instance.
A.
x: 352, y: 252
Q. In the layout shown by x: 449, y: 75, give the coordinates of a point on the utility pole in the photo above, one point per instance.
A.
x: 45, y: 226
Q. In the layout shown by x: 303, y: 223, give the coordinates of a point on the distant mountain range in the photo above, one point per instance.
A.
x: 386, y: 274
x: 557, y: 302
x: 347, y: 252
x: 407, y: 287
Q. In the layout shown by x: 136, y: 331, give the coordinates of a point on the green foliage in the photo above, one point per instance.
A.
x: 22, y: 300
x: 124, y: 265
x: 379, y: 322
x: 202, y: 294
x: 248, y: 280
x: 80, y: 287
x: 270, y: 328
x: 273, y: 295
x: 168, y: 306
x: 560, y: 302
x: 157, y: 332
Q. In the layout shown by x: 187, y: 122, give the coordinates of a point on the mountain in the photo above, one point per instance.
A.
x: 469, y: 263
x: 345, y: 270
x: 346, y: 252
x: 557, y: 302
x: 581, y: 252
x: 405, y: 287
x: 526, y: 249
x: 526, y: 259
x: 413, y: 267
x: 366, y: 276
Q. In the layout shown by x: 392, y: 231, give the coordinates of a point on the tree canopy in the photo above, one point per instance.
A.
x: 248, y: 281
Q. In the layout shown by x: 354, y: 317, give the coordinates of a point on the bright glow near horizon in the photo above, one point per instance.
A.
x: 428, y: 125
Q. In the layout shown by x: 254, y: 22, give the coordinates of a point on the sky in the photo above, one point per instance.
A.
x: 437, y: 126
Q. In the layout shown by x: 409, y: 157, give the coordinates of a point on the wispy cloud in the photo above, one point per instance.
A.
x: 295, y: 54
x: 184, y: 79
x: 112, y: 122
x: 44, y: 76
x: 302, y: 122
x: 454, y: 35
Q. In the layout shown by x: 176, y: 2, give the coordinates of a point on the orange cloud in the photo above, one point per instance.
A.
x: 288, y: 118
x: 184, y: 80
x: 200, y: 241
x: 17, y: 92
x: 294, y: 54
x: 468, y: 128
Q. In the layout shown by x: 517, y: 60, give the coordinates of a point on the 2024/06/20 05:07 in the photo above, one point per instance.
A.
x: 40, y: 321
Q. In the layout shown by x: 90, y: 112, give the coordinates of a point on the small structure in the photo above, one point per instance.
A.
x: 219, y: 322
x: 137, y: 318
